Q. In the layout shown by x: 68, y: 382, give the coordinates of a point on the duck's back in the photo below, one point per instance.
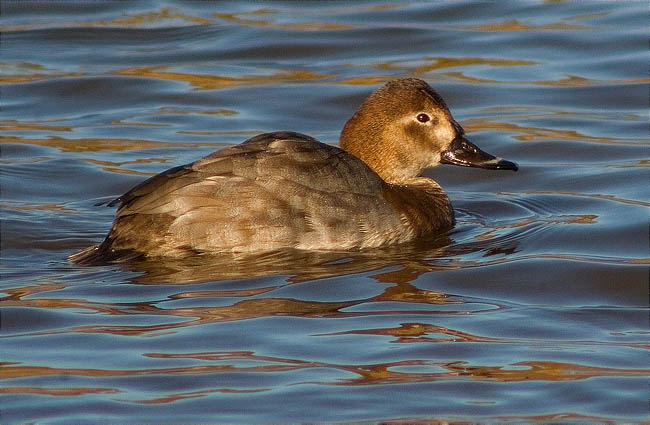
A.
x: 276, y: 190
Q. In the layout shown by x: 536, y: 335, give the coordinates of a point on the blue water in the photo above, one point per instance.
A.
x: 533, y: 309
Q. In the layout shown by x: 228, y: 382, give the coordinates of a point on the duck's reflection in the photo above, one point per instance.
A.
x: 405, y: 262
x: 412, y: 260
x: 259, y: 280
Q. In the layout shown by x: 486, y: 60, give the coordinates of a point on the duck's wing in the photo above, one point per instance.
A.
x: 166, y: 181
x: 274, y: 190
x: 262, y: 161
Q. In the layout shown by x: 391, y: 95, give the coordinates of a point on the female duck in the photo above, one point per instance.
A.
x: 287, y: 190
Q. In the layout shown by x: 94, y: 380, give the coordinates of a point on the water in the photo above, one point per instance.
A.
x: 533, y: 309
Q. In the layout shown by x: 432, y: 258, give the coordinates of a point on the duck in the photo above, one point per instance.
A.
x: 287, y: 190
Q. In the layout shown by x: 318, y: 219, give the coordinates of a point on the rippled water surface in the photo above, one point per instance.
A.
x: 534, y: 308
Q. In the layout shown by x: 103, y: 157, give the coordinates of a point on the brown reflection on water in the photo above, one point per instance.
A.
x: 399, y: 289
x: 612, y: 198
x: 525, y: 371
x: 15, y: 125
x: 527, y: 133
x: 140, y: 19
x: 15, y: 294
x: 172, y: 16
x: 537, y: 112
x: 435, y: 63
x: 58, y: 392
x: 143, y: 19
x: 38, y: 207
x: 518, y: 25
x: 98, y: 144
x: 243, y: 19
x: 193, y: 394
x: 222, y: 293
x: 417, y: 332
x: 366, y: 374
x: 491, y: 231
x: 267, y: 307
x: 26, y: 72
x: 215, y: 82
x: 408, y: 333
x: 116, y: 167
x: 541, y: 371
x: 561, y: 418
x: 427, y: 70
x: 16, y: 298
x: 242, y: 310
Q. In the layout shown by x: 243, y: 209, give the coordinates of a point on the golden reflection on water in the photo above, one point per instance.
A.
x: 567, y: 81
x: 27, y: 72
x: 164, y: 14
x: 541, y: 112
x: 518, y: 25
x: 529, y: 133
x: 116, y: 167
x: 99, y: 144
x: 15, y: 125
x: 418, y: 332
x: 366, y: 374
x: 408, y: 333
x: 559, y: 418
x: 492, y: 230
x: 240, y: 18
x: 435, y: 63
x: 240, y: 310
x: 193, y: 394
x: 612, y: 198
x: 168, y: 110
x: 215, y: 82
x: 173, y: 16
x: 400, y: 290
x: 58, y: 392
x: 139, y: 20
x: 38, y: 207
x: 425, y: 69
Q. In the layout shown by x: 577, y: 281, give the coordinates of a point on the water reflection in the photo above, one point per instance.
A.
x: 216, y: 82
x: 163, y: 16
x: 25, y: 72
x: 533, y: 309
x: 530, y: 133
x: 58, y: 392
x: 98, y: 144
x: 244, y: 19
x: 363, y: 374
x: 299, y: 266
x: 397, y: 267
x: 408, y: 333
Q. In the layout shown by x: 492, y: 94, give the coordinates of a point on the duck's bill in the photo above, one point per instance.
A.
x: 466, y: 154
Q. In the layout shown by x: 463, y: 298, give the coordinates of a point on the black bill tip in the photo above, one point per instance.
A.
x: 466, y: 154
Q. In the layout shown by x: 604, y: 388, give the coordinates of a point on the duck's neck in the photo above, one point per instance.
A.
x: 423, y: 205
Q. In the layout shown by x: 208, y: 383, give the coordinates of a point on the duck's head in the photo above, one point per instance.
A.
x: 405, y: 127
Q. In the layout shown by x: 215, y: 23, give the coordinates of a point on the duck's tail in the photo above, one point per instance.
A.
x: 98, y: 255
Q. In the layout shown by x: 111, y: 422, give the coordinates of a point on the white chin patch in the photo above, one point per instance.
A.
x: 446, y: 132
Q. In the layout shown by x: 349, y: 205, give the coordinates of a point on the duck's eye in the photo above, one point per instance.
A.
x: 423, y: 118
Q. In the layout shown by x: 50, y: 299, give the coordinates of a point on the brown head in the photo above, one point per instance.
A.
x: 404, y: 127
